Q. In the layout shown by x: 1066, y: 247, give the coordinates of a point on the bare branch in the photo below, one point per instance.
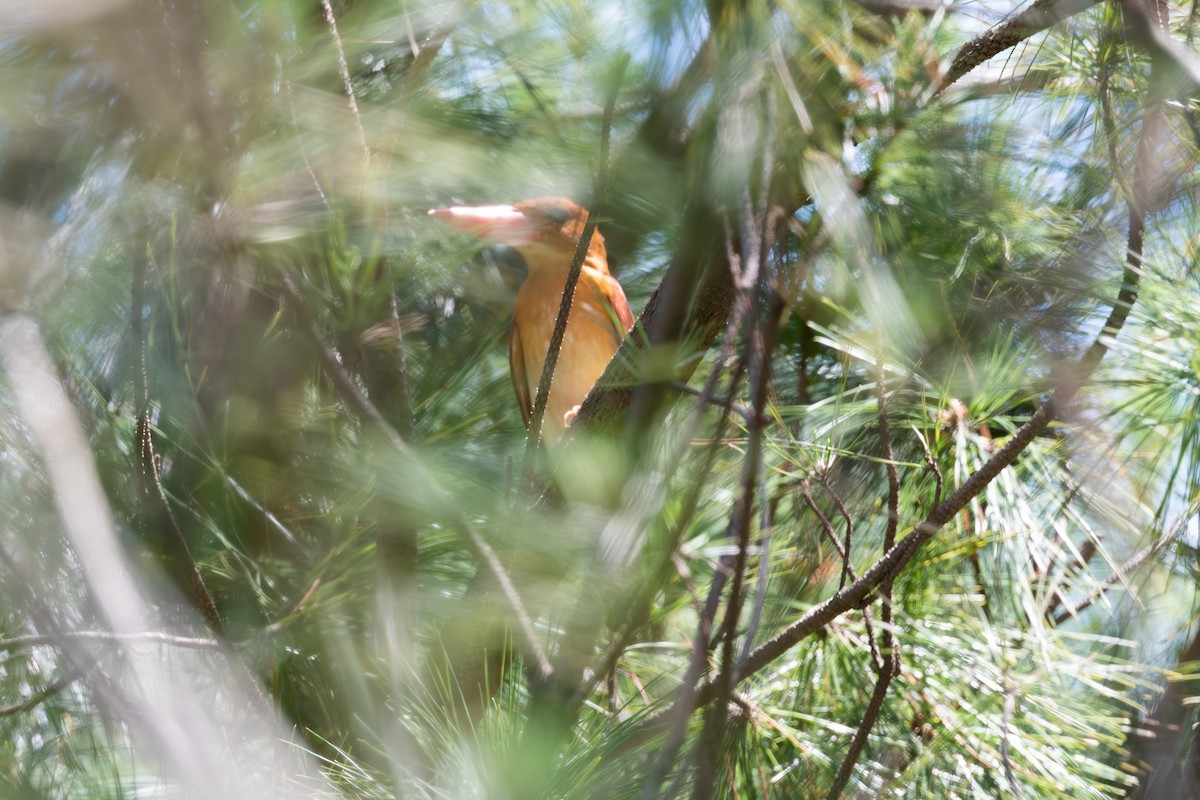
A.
x: 827, y: 527
x: 846, y: 548
x: 146, y: 637
x: 870, y: 716
x: 48, y: 691
x: 1042, y: 14
x: 150, y: 479
x: 347, y: 84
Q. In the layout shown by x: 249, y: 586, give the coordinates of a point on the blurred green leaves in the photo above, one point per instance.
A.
x: 164, y: 167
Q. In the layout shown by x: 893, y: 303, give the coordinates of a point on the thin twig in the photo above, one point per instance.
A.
x: 931, y: 465
x: 1120, y: 575
x: 739, y: 264
x: 347, y: 84
x: 331, y: 365
x: 846, y: 549
x: 847, y: 569
x: 425, y: 52
x: 581, y: 250
x: 638, y: 608
x: 1108, y: 119
x: 726, y: 403
x: 889, y: 458
x: 150, y: 483
x: 653, y: 583
x: 870, y: 715
x: 145, y: 637
x: 49, y: 690
x: 765, y: 526
x: 553, y: 702
x: 707, y: 398
x: 1010, y: 704
x: 312, y: 173
x: 485, y: 553
x: 826, y: 526
x: 681, y: 710
x: 386, y: 370
x: 709, y: 746
x: 890, y: 650
x: 756, y: 229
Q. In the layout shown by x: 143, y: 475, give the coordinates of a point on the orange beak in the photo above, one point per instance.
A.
x: 499, y: 224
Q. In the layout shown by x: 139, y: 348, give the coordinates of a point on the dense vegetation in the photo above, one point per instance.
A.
x: 891, y: 492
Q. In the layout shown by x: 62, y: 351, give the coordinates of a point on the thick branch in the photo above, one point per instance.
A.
x: 1038, y: 17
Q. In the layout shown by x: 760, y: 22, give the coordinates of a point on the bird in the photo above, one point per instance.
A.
x: 545, y: 232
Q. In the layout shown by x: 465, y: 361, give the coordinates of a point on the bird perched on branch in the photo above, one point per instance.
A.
x: 546, y: 232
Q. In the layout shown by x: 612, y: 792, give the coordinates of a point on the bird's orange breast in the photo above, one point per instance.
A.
x: 594, y: 331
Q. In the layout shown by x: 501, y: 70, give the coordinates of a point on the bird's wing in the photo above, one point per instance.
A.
x: 516, y: 364
x: 614, y: 295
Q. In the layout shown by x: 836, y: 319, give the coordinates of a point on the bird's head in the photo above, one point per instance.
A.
x: 545, y: 231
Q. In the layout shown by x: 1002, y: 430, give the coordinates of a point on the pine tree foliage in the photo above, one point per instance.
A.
x: 891, y: 492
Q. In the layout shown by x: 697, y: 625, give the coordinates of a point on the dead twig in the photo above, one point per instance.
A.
x: 890, y: 664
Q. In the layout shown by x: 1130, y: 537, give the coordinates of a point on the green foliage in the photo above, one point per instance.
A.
x: 226, y: 257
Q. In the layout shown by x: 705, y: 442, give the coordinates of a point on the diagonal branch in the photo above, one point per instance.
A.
x: 895, y: 559
x: 1122, y: 573
x: 347, y: 84
x: 1036, y: 18
x: 49, y: 690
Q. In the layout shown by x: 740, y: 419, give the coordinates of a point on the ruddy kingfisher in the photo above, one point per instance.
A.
x: 546, y: 233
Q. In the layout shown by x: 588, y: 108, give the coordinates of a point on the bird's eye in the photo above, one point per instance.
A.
x: 557, y: 215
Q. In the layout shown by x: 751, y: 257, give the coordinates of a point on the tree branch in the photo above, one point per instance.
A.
x: 49, y: 690
x: 890, y: 663
x: 895, y: 559
x: 347, y: 84
x: 1036, y: 18
x: 149, y: 481
x: 147, y: 637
